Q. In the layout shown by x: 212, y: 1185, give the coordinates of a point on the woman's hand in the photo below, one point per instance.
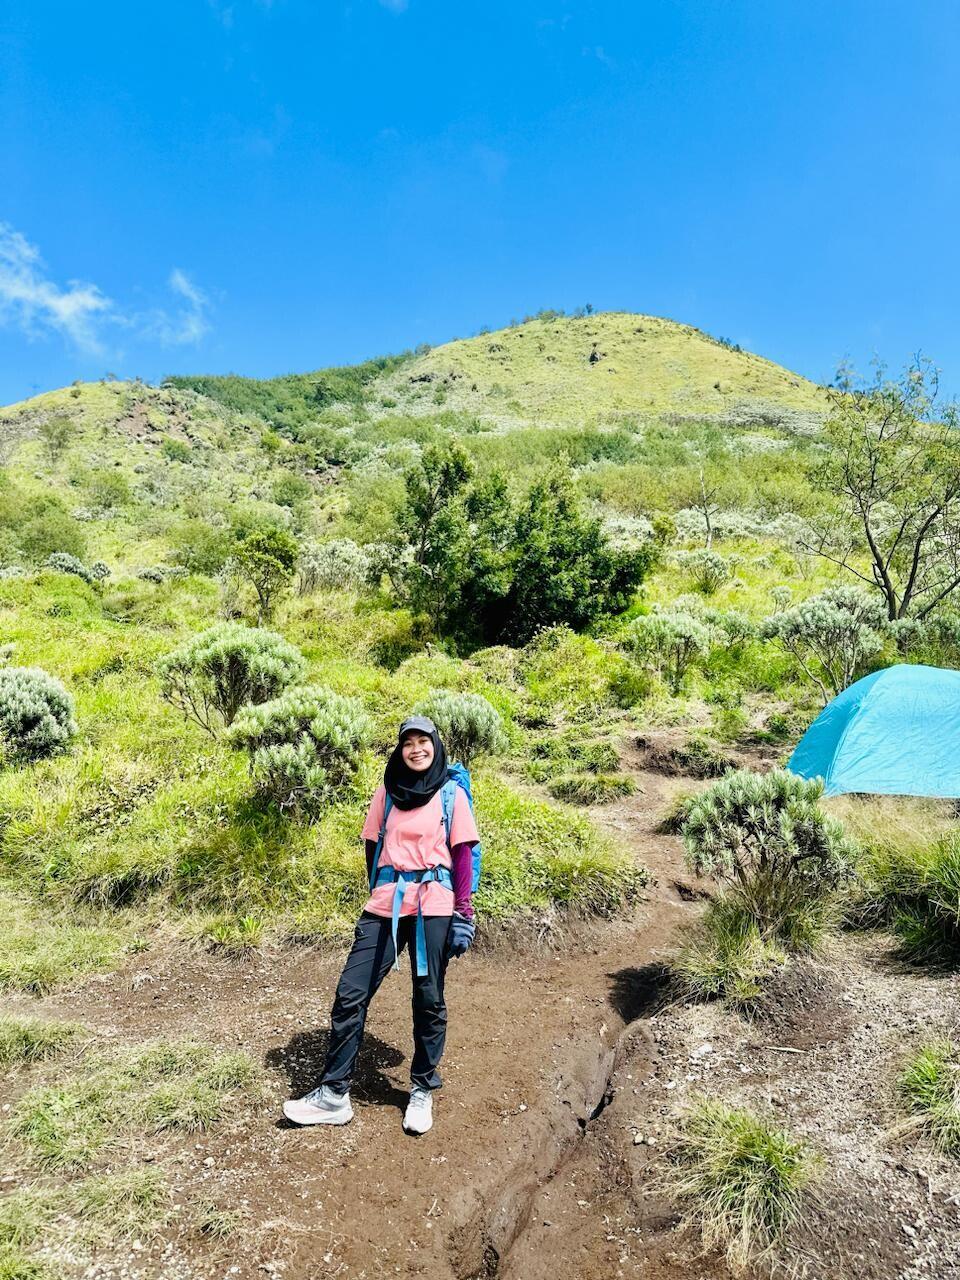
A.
x: 460, y: 936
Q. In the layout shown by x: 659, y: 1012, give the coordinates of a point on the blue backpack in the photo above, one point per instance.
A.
x: 459, y: 777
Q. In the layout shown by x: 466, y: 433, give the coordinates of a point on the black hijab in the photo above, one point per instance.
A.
x: 407, y: 788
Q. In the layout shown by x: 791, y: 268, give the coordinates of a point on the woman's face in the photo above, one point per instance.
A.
x: 417, y: 751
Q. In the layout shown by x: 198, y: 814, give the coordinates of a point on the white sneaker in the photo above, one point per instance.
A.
x: 418, y: 1117
x: 323, y: 1106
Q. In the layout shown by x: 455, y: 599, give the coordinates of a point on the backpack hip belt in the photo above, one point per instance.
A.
x: 393, y: 875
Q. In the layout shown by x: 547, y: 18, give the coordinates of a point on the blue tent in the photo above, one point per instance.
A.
x: 896, y: 732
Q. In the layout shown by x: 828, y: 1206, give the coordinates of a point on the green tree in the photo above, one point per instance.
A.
x: 266, y: 559
x: 434, y: 531
x: 893, y: 469
x: 56, y: 434
x: 563, y: 570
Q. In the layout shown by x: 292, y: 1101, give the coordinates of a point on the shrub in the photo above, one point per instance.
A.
x: 63, y: 562
x: 467, y: 723
x: 830, y: 635
x: 708, y: 569
x: 266, y: 559
x: 928, y: 1089
x: 36, y: 714
x: 175, y: 450
x: 290, y: 489
x: 304, y: 746
x: 742, y: 1182
x: 330, y: 566
x: 199, y: 547
x: 99, y: 570
x: 51, y: 530
x: 766, y: 840
x: 671, y: 642
x: 214, y: 674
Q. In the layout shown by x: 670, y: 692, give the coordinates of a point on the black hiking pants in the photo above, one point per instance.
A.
x: 367, y: 965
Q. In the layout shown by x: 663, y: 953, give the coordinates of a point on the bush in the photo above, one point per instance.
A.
x: 63, y: 562
x: 708, y: 569
x: 290, y: 490
x: 766, y: 840
x: 175, y: 450
x: 741, y: 1181
x: 467, y: 723
x: 36, y: 714
x: 671, y: 642
x: 830, y: 635
x: 99, y: 571
x: 199, y: 547
x: 214, y: 674
x: 928, y: 1089
x: 51, y: 530
x: 304, y: 746
x: 336, y: 565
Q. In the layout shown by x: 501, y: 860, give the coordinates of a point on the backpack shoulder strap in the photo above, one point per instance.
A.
x: 448, y: 798
x: 387, y: 806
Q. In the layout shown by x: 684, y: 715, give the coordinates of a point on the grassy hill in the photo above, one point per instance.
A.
x: 600, y: 366
x: 564, y: 369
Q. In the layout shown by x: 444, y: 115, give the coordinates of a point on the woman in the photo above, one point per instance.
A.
x: 420, y: 899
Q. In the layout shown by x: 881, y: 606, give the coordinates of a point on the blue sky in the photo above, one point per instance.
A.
x: 260, y: 186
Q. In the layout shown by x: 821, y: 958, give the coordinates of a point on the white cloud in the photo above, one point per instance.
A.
x: 36, y: 304
x: 190, y: 322
x: 81, y: 313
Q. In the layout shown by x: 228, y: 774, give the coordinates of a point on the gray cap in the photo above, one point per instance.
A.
x: 419, y: 724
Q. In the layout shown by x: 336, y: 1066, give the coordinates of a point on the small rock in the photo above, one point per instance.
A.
x: 702, y: 1051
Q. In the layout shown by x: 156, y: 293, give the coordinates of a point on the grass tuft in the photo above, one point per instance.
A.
x: 727, y: 958
x: 25, y: 1040
x: 592, y: 788
x: 742, y: 1182
x: 164, y: 1085
x: 929, y: 1088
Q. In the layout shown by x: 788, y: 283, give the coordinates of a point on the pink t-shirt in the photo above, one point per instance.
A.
x: 415, y: 840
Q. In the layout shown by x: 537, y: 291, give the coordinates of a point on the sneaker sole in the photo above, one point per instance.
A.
x: 333, y: 1117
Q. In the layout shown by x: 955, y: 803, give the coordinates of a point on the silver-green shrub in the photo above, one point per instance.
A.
x: 830, y: 635
x: 708, y: 570
x: 212, y: 675
x: 467, y: 723
x: 765, y: 839
x: 64, y: 562
x: 336, y: 565
x: 304, y: 746
x: 671, y: 642
x: 36, y: 714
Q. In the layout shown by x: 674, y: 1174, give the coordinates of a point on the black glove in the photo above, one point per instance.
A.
x: 460, y: 935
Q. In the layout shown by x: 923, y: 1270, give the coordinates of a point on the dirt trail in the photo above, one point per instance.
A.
x: 532, y: 1043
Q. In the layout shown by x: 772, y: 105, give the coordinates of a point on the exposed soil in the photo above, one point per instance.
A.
x: 564, y: 1072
